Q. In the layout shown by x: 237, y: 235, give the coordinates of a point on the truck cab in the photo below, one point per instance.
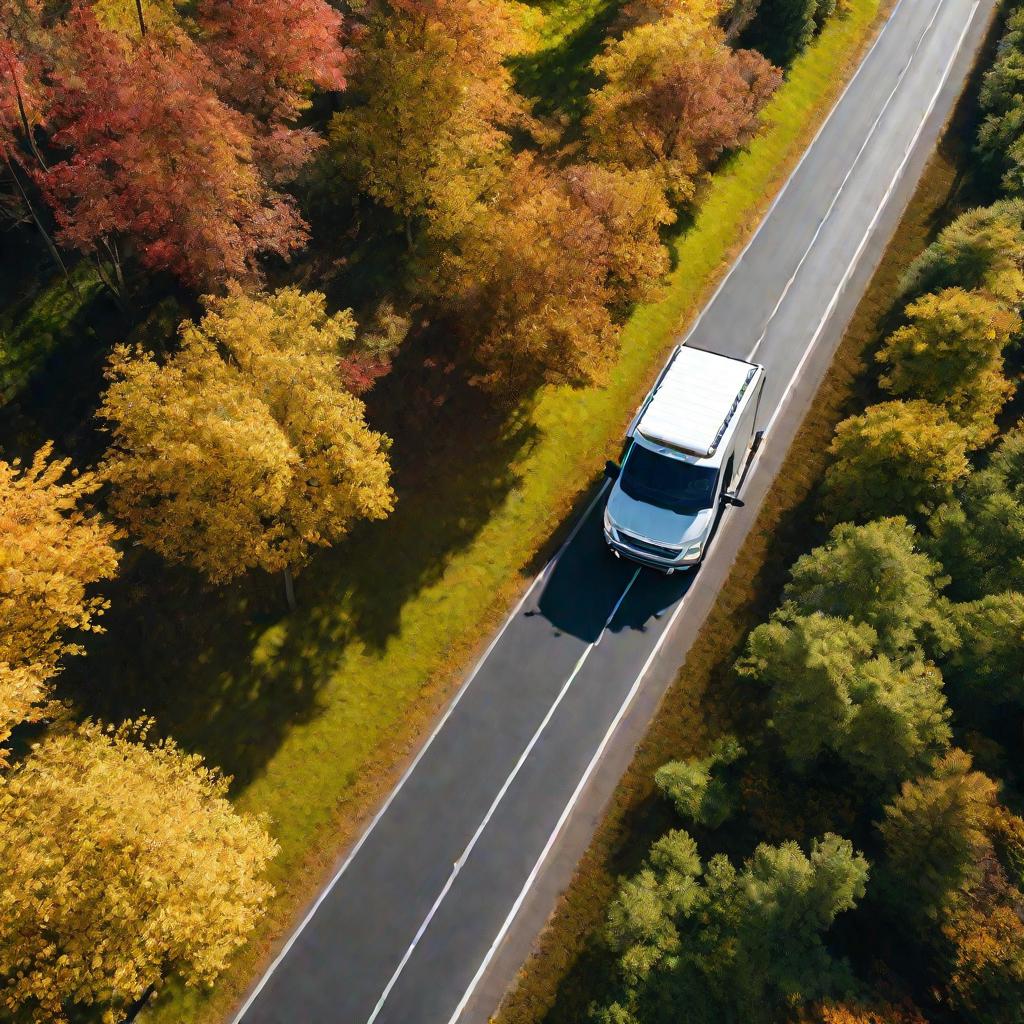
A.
x: 685, y: 456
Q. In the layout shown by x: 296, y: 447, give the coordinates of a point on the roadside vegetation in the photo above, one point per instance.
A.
x: 243, y: 326
x: 823, y: 825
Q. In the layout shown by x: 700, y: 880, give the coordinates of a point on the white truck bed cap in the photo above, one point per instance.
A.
x: 695, y: 400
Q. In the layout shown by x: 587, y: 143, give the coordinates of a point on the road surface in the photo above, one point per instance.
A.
x: 432, y: 913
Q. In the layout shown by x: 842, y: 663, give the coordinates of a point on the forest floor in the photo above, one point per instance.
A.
x: 314, y: 713
x: 570, y: 968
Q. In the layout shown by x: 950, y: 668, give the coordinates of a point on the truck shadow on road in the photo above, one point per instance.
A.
x: 584, y: 586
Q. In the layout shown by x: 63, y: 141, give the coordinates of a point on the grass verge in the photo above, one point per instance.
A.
x: 315, y: 713
x: 568, y: 967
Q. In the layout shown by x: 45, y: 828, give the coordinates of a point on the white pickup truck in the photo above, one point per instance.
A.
x: 686, y: 453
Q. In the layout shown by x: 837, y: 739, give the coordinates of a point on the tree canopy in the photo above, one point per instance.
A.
x: 728, y: 943
x: 897, y: 457
x: 102, y: 891
x: 830, y: 690
x: 950, y: 353
x: 876, y: 574
x: 981, y: 530
x: 675, y: 97
x: 52, y: 550
x: 243, y: 449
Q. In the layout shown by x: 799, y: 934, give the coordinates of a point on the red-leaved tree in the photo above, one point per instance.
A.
x: 270, y: 54
x: 157, y: 160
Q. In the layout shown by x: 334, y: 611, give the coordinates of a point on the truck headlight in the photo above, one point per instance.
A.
x: 693, y: 551
x: 609, y: 526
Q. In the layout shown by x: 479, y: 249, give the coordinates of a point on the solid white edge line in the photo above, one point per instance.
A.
x: 624, y: 707
x: 785, y: 188
x: 506, y: 785
x: 846, y: 180
x: 326, y: 891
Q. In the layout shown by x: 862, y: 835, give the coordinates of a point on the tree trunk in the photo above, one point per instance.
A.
x: 408, y: 233
x: 142, y: 19
x: 136, y: 1008
x: 50, y: 244
x: 289, y: 588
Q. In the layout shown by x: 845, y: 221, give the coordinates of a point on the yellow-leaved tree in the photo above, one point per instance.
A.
x: 51, y: 551
x: 431, y: 133
x: 121, y: 862
x: 243, y: 449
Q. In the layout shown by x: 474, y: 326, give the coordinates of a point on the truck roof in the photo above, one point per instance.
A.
x: 694, y: 401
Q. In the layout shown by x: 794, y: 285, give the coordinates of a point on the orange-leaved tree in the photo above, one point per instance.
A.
x: 676, y: 97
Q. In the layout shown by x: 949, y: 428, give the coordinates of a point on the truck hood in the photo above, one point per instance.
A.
x: 659, y: 525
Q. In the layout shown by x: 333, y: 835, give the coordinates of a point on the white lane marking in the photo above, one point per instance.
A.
x: 326, y: 891
x: 796, y: 170
x: 846, y: 180
x: 834, y: 301
x: 506, y: 785
x: 633, y: 690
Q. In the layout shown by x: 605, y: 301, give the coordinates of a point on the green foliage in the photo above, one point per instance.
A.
x: 988, y: 663
x: 983, y: 249
x: 935, y: 837
x: 725, y: 943
x: 980, y: 534
x: 697, y: 790
x: 875, y: 574
x: 1000, y: 145
x: 950, y: 353
x: 831, y: 690
x: 784, y: 28
x: 896, y: 457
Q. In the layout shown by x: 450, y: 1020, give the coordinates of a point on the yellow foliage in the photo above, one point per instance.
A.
x: 896, y: 457
x: 950, y: 353
x: 243, y: 450
x: 51, y: 551
x: 429, y: 139
x: 120, y: 859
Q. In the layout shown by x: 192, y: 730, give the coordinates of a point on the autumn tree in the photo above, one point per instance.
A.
x: 426, y: 133
x: 52, y: 550
x: 900, y: 457
x: 728, y: 943
x: 935, y: 834
x: 243, y: 449
x: 156, y: 161
x: 875, y: 574
x: 138, y: 869
x: 675, y: 97
x: 270, y: 55
x: 830, y: 690
x: 950, y: 353
x: 530, y: 284
x: 981, y: 531
x: 983, y: 250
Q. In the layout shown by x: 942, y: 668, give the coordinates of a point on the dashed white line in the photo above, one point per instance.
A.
x: 846, y: 180
x: 512, y: 775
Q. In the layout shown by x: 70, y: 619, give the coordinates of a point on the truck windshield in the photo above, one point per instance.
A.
x: 666, y: 482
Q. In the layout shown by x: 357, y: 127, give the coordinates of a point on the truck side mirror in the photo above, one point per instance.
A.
x: 612, y: 470
x: 728, y: 498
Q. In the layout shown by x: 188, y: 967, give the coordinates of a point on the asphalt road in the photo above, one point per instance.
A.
x: 433, y: 911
